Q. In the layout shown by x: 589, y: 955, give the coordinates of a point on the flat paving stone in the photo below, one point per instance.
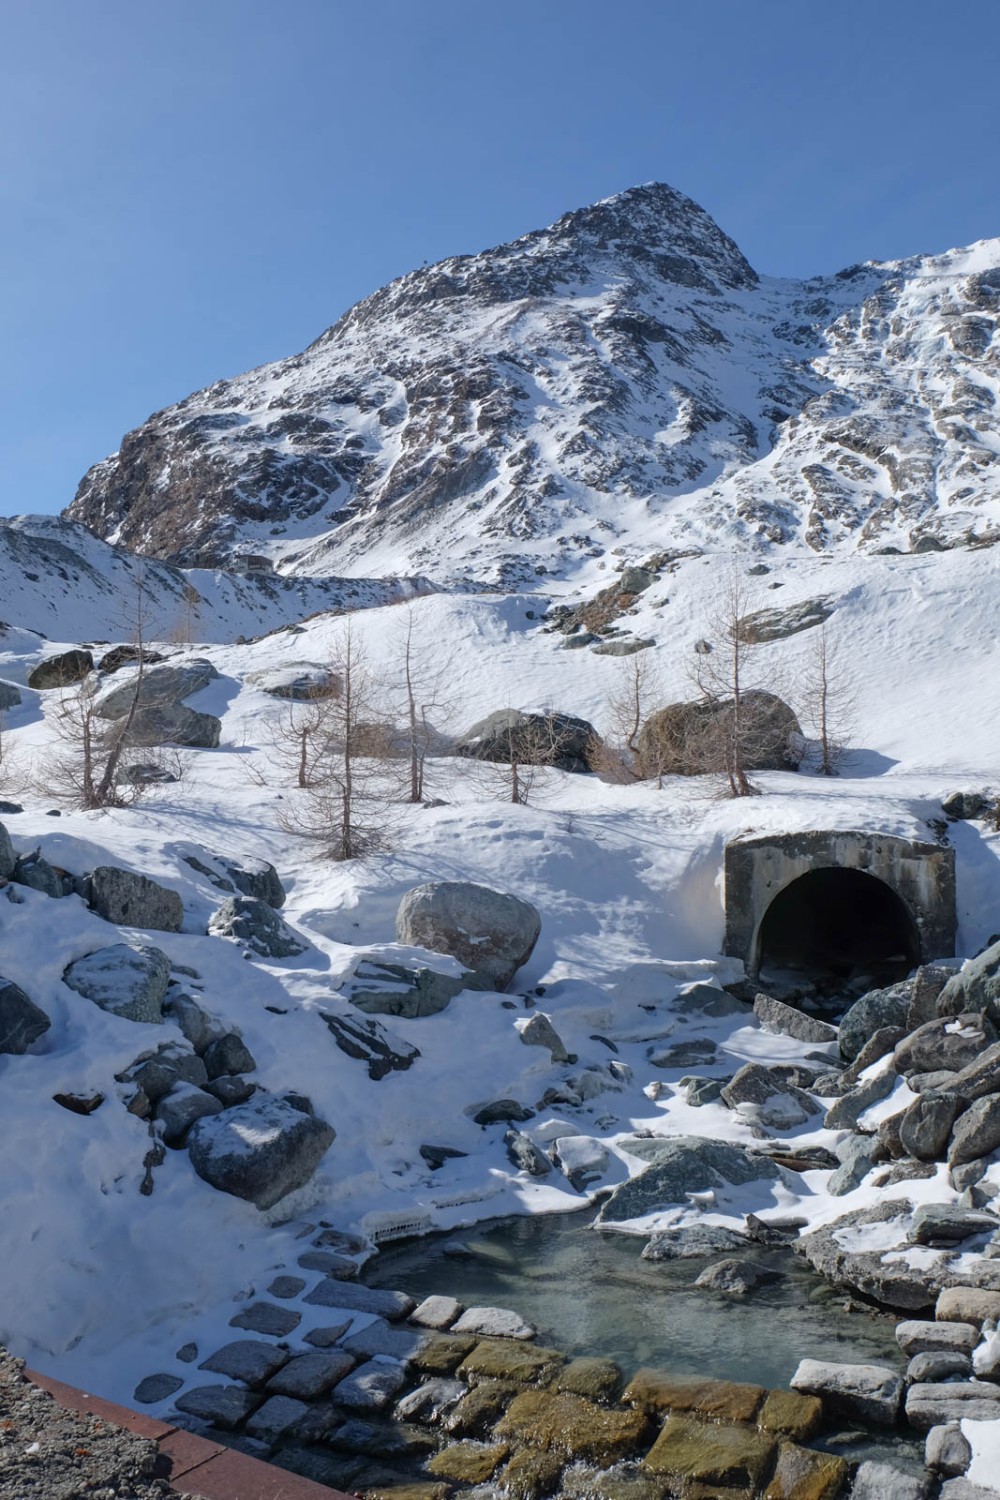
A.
x: 378, y: 1438
x: 367, y: 1299
x: 324, y: 1338
x: 372, y: 1387
x: 287, y: 1286
x: 493, y: 1322
x: 264, y: 1317
x: 329, y: 1262
x: 225, y: 1406
x: 156, y: 1388
x: 307, y: 1376
x: 442, y: 1354
x: 917, y: 1336
x: 597, y: 1379
x: 721, y: 1400
x: 498, y: 1359
x: 467, y: 1462
x: 437, y: 1312
x: 481, y: 1409
x: 699, y: 1453
x: 249, y: 1360
x: 563, y: 1423
x: 278, y: 1416
x: 789, y: 1414
x: 381, y: 1337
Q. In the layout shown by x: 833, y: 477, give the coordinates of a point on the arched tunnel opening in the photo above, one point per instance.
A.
x: 831, y: 929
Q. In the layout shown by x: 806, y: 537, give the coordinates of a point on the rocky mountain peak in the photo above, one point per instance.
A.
x: 621, y: 379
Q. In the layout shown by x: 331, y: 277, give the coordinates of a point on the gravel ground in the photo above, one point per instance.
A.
x: 47, y: 1453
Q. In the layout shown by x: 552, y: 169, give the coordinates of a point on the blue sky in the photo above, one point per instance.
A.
x: 192, y: 188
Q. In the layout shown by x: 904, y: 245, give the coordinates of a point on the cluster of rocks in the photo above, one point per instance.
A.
x: 152, y: 698
x: 952, y: 1376
x: 394, y: 1399
x: 594, y: 623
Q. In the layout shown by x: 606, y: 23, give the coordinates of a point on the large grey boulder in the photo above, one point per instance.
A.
x: 34, y: 871
x: 871, y: 1393
x: 132, y: 900
x: 300, y: 681
x: 777, y: 624
x: 249, y: 877
x: 10, y: 696
x: 852, y: 1251
x: 550, y: 739
x: 948, y: 1042
x: 490, y: 933
x: 926, y: 1125
x: 175, y: 724
x: 976, y: 986
x: 687, y: 1164
x: 761, y: 1095
x: 62, y: 670
x: 261, y: 1150
x: 877, y: 1009
x: 690, y: 739
x: 981, y: 1077
x: 977, y: 1131
x: 160, y: 686
x: 8, y: 859
x: 22, y: 1022
x: 388, y: 989
x: 785, y: 1020
x: 256, y: 925
x: 127, y: 981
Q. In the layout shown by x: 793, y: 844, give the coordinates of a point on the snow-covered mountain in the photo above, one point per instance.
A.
x: 622, y: 380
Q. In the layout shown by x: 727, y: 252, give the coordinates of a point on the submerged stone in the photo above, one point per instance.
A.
x: 468, y: 1462
x: 719, y: 1400
x: 498, y: 1359
x: 696, y: 1453
x: 562, y: 1422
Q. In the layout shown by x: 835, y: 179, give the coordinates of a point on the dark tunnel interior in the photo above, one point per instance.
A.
x: 833, y: 925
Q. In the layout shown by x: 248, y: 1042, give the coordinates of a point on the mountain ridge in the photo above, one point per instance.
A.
x: 621, y: 380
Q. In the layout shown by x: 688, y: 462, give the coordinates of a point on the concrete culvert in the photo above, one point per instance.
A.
x: 839, y: 923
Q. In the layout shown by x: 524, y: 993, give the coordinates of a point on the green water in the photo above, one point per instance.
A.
x: 588, y: 1292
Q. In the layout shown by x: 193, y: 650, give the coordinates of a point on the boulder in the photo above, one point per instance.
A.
x: 540, y: 1032
x: 948, y: 1224
x: 37, y: 874
x: 250, y: 877
x: 261, y: 1150
x: 8, y: 858
x: 230, y: 1089
x: 689, y: 739
x: 938, y: 1402
x: 524, y: 1155
x: 549, y: 739
x: 933, y: 1336
x: 10, y: 696
x: 490, y: 933
x: 947, y: 1450
x: 981, y: 1077
x: 692, y: 1241
x: 257, y: 926
x: 175, y: 724
x: 126, y: 656
x: 22, y: 1022
x: 846, y: 1111
x: 146, y: 773
x: 966, y: 805
x: 857, y: 1155
x: 734, y: 1277
x: 852, y: 1251
x: 62, y: 670
x: 161, y: 686
x: 371, y: 1043
x: 686, y: 1164
x: 128, y: 981
x: 388, y: 989
x: 976, y: 986
x: 762, y: 1096
x: 131, y: 900
x: 500, y: 1111
x: 869, y: 1393
x: 880, y: 1481
x: 196, y: 1024
x: 299, y: 681
x: 178, y: 1110
x: 926, y: 1125
x: 887, y: 1007
x: 784, y: 1020
x: 581, y: 1159
x: 968, y: 1304
x: 977, y: 1131
x: 156, y: 1073
x: 228, y: 1054
x: 950, y: 1042
x: 777, y: 624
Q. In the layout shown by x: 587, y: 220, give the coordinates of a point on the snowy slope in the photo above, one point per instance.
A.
x: 623, y: 876
x: 622, y: 380
x: 58, y: 580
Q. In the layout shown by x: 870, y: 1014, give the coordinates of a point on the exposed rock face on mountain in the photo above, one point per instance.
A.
x: 622, y: 377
